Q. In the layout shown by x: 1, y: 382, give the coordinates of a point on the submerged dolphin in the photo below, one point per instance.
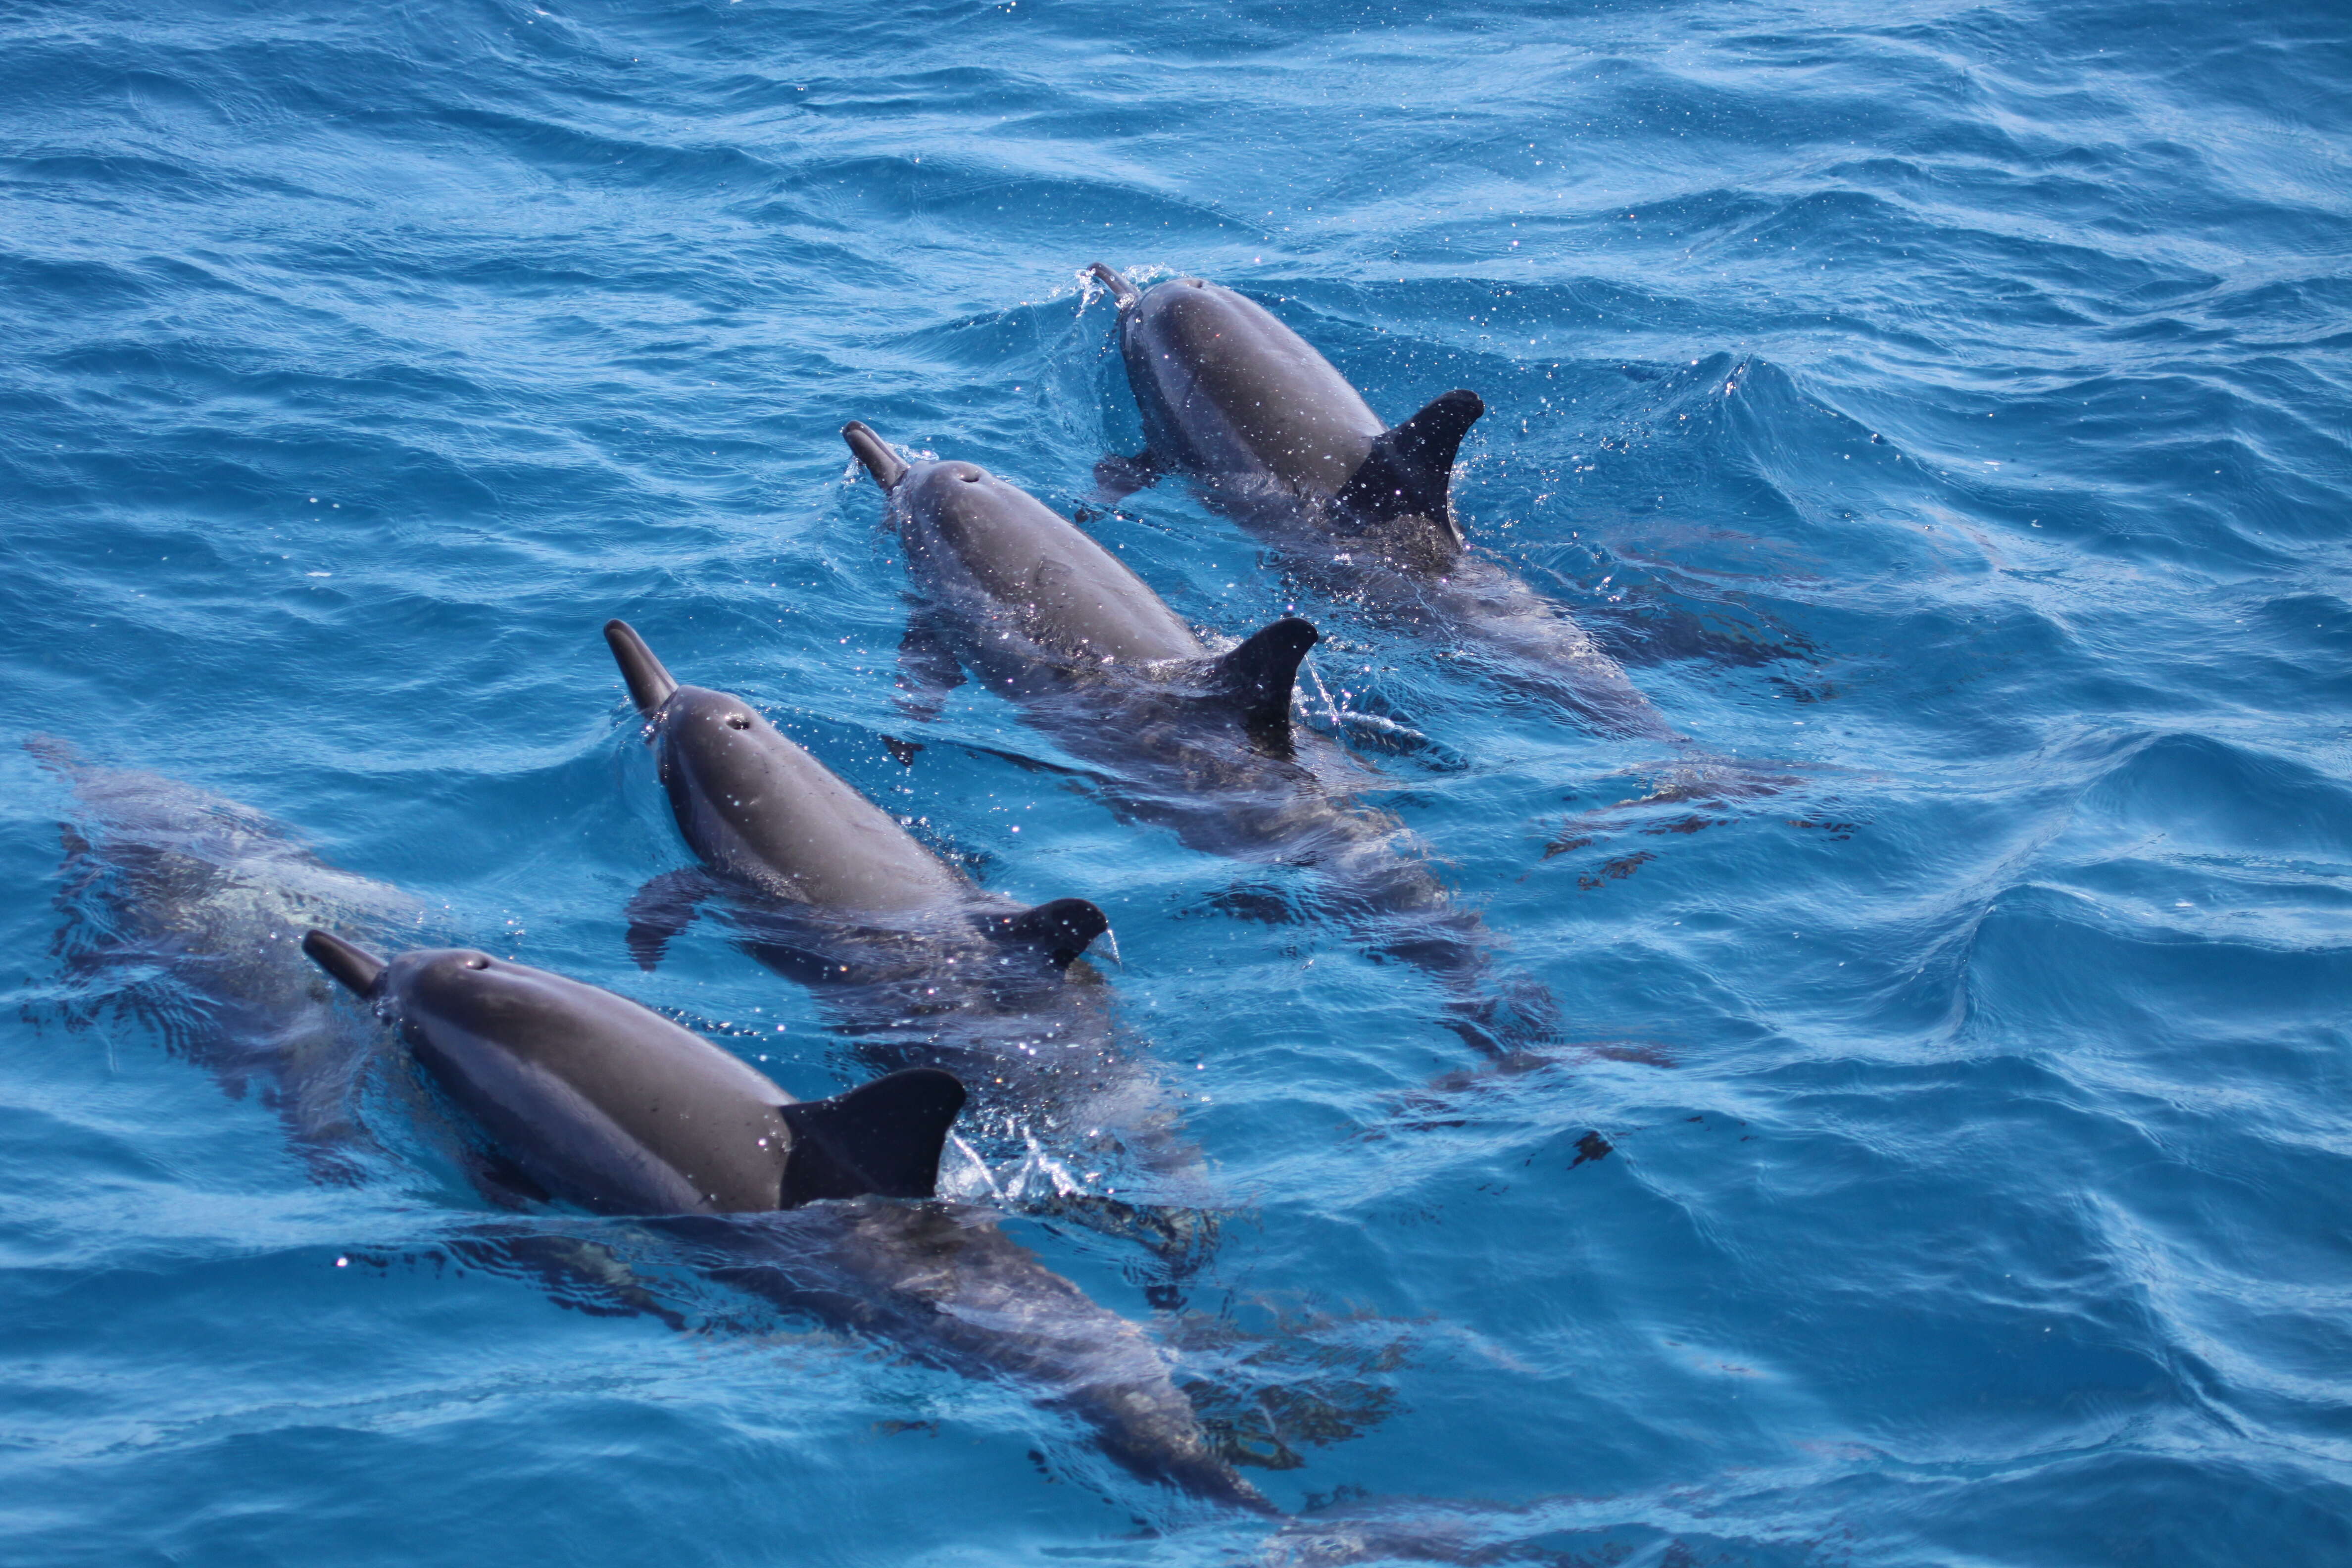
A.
x: 616, y: 1109
x: 918, y: 966
x: 187, y: 909
x: 1275, y: 436
x: 1199, y: 742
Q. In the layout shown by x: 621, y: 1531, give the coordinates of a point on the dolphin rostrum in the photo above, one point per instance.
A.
x: 1199, y: 743
x: 1277, y: 438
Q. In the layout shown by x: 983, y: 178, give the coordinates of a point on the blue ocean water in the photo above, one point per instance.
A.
x: 1945, y: 409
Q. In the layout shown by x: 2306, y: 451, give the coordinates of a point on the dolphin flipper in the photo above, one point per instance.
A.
x: 881, y: 1138
x: 1257, y: 677
x: 1116, y: 478
x: 664, y: 907
x: 928, y: 667
x: 1411, y: 468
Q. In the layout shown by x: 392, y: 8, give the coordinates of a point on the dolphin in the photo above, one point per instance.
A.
x: 611, y: 1106
x: 1039, y: 607
x: 1197, y: 741
x: 187, y: 909
x: 1275, y: 436
x: 916, y: 964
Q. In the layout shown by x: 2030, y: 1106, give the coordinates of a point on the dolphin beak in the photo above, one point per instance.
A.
x: 359, y: 970
x: 887, y: 466
x: 649, y: 684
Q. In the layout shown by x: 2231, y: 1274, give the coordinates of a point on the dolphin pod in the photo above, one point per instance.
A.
x: 967, y: 1006
x: 1274, y: 436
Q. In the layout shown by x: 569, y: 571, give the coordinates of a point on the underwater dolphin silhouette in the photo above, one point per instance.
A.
x: 1197, y: 741
x: 187, y: 909
x: 1277, y: 438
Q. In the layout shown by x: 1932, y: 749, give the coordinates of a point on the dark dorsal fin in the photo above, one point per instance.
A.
x: 359, y: 970
x: 1257, y: 677
x: 881, y: 459
x: 882, y: 1138
x: 649, y: 684
x: 1409, y: 469
x: 1122, y: 292
x: 1059, y: 928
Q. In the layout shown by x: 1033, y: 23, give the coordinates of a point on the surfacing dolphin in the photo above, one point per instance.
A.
x: 186, y: 911
x: 1274, y: 436
x: 918, y: 966
x: 1197, y: 742
x: 611, y: 1106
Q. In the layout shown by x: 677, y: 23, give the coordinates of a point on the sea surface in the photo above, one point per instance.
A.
x: 1944, y: 1153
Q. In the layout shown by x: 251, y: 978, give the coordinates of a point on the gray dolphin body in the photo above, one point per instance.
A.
x: 609, y: 1105
x: 187, y: 909
x: 918, y: 966
x: 613, y: 1108
x: 1277, y: 438
x: 1199, y: 743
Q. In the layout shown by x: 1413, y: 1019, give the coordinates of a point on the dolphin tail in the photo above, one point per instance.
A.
x: 1410, y: 468
x: 1059, y: 928
x: 881, y: 1138
x: 359, y: 970
x: 880, y: 459
x: 1122, y: 292
x: 1256, y: 676
x: 649, y: 684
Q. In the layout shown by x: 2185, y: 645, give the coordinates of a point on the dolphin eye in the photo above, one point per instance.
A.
x: 736, y: 722
x: 478, y: 964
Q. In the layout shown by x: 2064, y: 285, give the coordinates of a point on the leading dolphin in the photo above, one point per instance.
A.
x: 1277, y: 438
x: 1199, y: 743
x: 613, y: 1108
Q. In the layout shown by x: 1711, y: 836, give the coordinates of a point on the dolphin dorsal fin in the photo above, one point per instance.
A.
x: 1059, y: 928
x: 649, y: 684
x: 881, y: 459
x: 1410, y: 467
x: 881, y: 1138
x: 359, y: 970
x: 1257, y: 677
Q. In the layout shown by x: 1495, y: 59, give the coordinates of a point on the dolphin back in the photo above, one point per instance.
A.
x: 1229, y: 392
